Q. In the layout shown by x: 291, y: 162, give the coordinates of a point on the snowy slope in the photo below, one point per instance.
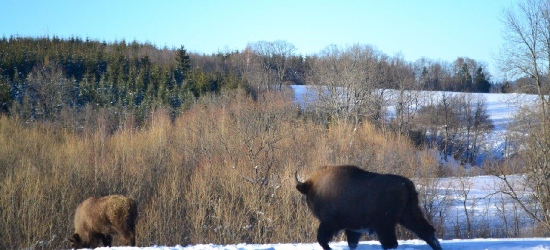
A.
x: 501, y: 109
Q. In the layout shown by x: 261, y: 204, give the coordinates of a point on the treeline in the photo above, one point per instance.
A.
x: 40, y: 78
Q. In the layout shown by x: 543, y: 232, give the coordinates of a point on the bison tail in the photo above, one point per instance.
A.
x: 303, y: 187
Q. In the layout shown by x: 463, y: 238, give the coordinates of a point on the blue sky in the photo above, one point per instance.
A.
x: 435, y: 29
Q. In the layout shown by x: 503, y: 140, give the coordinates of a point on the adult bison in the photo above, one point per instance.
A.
x: 97, y: 218
x: 357, y: 201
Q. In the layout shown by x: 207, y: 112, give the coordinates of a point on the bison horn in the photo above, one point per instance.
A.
x: 303, y: 187
x: 296, y: 177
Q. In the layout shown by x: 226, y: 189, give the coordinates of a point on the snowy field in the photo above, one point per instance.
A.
x: 477, y: 197
x: 472, y: 206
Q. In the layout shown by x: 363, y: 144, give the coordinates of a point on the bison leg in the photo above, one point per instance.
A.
x: 386, y: 235
x: 127, y: 235
x: 95, y: 239
x: 433, y: 242
x: 107, y: 240
x: 414, y: 220
x: 76, y: 241
x: 353, y: 238
x: 424, y: 231
x: 128, y: 238
x: 325, y: 234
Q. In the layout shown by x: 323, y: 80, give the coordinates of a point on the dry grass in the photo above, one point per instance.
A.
x: 223, y: 172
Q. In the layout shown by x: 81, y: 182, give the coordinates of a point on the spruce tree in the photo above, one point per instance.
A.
x: 5, y: 95
x: 481, y: 83
x: 183, y: 65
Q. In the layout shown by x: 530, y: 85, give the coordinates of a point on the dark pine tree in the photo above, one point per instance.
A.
x: 183, y: 65
x: 5, y: 95
x: 481, y: 81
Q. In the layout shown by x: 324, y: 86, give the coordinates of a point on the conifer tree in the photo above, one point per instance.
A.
x: 183, y: 65
x: 5, y: 96
x: 481, y: 83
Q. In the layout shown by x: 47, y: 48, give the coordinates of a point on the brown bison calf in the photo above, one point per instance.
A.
x: 97, y: 218
x: 357, y: 201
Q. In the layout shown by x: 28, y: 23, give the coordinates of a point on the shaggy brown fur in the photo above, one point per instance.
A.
x: 357, y: 201
x: 98, y: 218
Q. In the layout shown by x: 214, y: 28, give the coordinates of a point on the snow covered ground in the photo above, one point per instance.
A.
x: 474, y: 244
x: 473, y: 206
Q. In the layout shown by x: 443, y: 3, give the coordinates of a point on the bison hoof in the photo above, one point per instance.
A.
x: 390, y: 246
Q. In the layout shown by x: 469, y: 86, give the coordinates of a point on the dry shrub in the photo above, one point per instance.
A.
x: 36, y: 177
x: 222, y: 172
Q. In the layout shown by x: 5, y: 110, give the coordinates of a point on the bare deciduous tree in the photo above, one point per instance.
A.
x: 271, y: 60
x: 526, y: 53
x: 49, y: 92
x: 475, y: 120
x: 406, y: 105
x: 349, y: 77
